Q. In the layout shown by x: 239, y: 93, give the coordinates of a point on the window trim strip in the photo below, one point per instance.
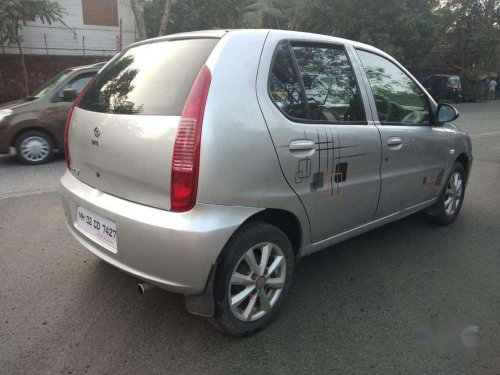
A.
x: 296, y: 70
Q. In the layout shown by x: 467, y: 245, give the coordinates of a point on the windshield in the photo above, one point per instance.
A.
x: 50, y: 84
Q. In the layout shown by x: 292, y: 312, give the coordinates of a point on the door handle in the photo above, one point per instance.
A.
x: 394, y: 141
x: 302, y: 145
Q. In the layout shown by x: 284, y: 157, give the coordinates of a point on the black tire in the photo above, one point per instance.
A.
x: 242, y: 241
x: 437, y: 213
x: 43, y: 139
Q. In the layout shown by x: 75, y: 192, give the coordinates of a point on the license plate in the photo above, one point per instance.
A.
x: 97, y: 227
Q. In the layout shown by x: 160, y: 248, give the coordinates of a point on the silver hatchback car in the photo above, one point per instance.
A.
x: 208, y: 163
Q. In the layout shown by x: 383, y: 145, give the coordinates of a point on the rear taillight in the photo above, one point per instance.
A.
x: 68, y: 123
x: 186, y: 158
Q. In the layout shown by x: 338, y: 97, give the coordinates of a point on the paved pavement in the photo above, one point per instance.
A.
x: 361, y: 307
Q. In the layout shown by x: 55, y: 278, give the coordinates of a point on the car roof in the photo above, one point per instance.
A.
x: 444, y: 75
x: 95, y: 66
x: 286, y: 34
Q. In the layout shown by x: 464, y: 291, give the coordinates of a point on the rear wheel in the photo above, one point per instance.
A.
x: 34, y: 147
x: 252, y: 279
x: 448, y: 206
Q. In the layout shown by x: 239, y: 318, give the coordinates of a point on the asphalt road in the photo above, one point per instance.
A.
x: 361, y: 307
x: 17, y: 180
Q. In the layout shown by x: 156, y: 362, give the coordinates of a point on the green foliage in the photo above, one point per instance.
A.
x: 15, y: 13
x: 266, y: 13
x: 472, y: 88
x: 406, y: 29
x: 414, y: 31
x: 189, y: 15
x: 473, y: 30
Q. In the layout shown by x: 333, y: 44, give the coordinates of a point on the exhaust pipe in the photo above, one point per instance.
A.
x: 144, y: 287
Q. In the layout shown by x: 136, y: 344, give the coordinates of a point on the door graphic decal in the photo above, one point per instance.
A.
x: 324, y: 158
x: 303, y: 170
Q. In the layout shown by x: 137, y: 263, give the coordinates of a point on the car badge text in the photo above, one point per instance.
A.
x: 97, y: 133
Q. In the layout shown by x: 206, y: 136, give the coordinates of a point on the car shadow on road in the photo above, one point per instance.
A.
x: 358, y: 292
x: 333, y: 281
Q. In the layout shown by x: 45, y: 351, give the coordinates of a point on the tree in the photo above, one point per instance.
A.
x: 15, y: 13
x: 410, y: 30
x: 141, y: 7
x: 406, y: 29
x: 139, y: 18
x: 278, y: 14
x: 473, y: 31
x: 165, y: 17
x: 264, y: 13
x: 190, y: 15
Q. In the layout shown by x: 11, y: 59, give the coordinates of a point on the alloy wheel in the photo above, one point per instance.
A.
x: 257, y: 282
x: 453, y: 193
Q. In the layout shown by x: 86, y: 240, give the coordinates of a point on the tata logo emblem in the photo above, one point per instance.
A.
x: 97, y: 133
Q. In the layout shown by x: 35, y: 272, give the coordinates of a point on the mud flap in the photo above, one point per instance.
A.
x: 203, y: 304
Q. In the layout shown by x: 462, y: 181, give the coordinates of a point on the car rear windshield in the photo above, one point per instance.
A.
x: 150, y: 79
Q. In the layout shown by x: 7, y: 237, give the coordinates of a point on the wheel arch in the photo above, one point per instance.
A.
x: 463, y: 159
x: 203, y: 304
x: 284, y: 221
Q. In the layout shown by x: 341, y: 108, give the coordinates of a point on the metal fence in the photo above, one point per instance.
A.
x: 80, y: 48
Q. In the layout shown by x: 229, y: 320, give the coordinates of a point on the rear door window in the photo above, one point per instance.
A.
x: 326, y: 89
x: 150, y: 79
x: 330, y: 84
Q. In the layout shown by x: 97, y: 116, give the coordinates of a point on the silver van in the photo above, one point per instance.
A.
x: 208, y: 163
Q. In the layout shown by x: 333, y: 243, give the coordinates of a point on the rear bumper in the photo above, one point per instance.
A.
x: 174, y: 251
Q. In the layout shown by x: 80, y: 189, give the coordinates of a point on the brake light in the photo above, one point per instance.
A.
x: 68, y: 123
x: 186, y: 157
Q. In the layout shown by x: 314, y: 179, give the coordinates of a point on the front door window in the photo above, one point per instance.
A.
x: 398, y: 99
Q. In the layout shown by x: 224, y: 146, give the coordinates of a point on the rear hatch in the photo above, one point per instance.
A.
x: 124, y: 127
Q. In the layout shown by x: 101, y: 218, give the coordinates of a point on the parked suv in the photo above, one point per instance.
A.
x: 35, y: 125
x: 207, y: 163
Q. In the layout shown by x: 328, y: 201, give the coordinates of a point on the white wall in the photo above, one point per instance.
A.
x: 68, y: 40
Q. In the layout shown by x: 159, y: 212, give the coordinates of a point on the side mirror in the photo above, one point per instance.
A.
x: 69, y: 95
x: 446, y: 113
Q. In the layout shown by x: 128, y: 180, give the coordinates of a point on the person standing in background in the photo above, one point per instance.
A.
x: 492, y: 85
